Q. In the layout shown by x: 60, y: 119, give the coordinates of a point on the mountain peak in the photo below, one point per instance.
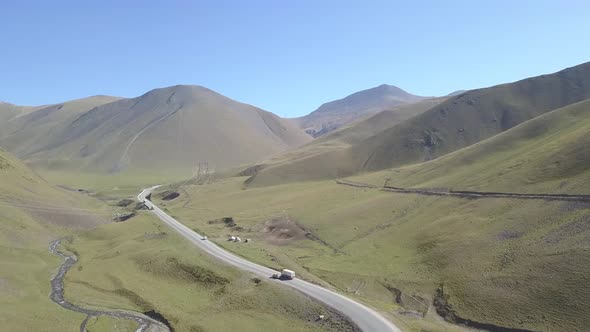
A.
x: 388, y: 87
x: 337, y: 113
x: 189, y: 89
x: 385, y: 91
x: 185, y: 124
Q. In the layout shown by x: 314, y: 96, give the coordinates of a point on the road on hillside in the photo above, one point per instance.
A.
x: 365, y: 318
x: 469, y: 194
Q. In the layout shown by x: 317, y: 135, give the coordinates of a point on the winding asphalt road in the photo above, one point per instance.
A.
x: 365, y: 318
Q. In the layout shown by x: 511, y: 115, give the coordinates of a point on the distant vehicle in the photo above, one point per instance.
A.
x: 276, y: 275
x: 204, y: 237
x: 287, y: 274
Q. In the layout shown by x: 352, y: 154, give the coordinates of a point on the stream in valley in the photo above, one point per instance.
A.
x: 145, y: 323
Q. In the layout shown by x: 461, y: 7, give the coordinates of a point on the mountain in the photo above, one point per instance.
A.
x: 458, y: 122
x: 550, y: 153
x: 32, y: 210
x: 9, y: 111
x: 495, y: 264
x: 349, y: 134
x: 368, y: 126
x: 335, y: 114
x: 32, y: 214
x: 164, y: 130
x: 501, y: 256
x: 456, y: 93
x: 25, y: 128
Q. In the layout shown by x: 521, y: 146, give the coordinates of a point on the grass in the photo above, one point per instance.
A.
x: 333, y: 146
x: 512, y: 263
x: 549, y: 154
x: 509, y: 263
x: 504, y: 262
x: 26, y: 230
x: 140, y: 265
x: 25, y: 287
x: 136, y: 265
x: 115, y: 186
x: 346, y: 221
x: 456, y: 123
x: 106, y: 323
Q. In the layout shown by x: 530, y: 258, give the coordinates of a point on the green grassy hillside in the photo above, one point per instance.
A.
x: 32, y: 214
x: 550, y: 153
x: 518, y: 264
x: 460, y: 121
x: 142, y: 265
x: 474, y: 116
x: 509, y: 263
x: 137, y: 265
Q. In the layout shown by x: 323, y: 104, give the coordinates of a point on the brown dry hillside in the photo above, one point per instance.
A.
x: 350, y: 134
x: 366, y: 127
x: 9, y: 111
x: 335, y: 114
x: 24, y: 129
x: 458, y: 122
x: 163, y: 130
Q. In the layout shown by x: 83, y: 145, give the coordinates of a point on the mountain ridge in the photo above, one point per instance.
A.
x: 187, y: 124
x: 337, y: 113
x: 456, y: 123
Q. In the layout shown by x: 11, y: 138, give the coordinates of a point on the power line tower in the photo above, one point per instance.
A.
x: 203, y: 173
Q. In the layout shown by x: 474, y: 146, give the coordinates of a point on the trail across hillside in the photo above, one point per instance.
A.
x: 468, y: 194
x: 143, y: 130
x: 146, y: 324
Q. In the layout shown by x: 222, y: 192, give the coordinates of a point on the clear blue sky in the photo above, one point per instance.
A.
x: 287, y: 57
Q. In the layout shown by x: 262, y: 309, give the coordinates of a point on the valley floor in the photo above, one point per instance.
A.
x: 136, y: 266
x: 508, y: 263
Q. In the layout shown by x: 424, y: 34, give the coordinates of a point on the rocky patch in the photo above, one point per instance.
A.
x: 124, y: 216
x: 446, y: 311
x: 282, y: 231
x: 169, y: 195
x: 125, y: 202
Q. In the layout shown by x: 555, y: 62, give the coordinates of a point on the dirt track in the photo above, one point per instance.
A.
x: 57, y: 295
x: 468, y: 194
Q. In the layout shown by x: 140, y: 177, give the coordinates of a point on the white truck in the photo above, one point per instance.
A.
x: 285, y: 274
